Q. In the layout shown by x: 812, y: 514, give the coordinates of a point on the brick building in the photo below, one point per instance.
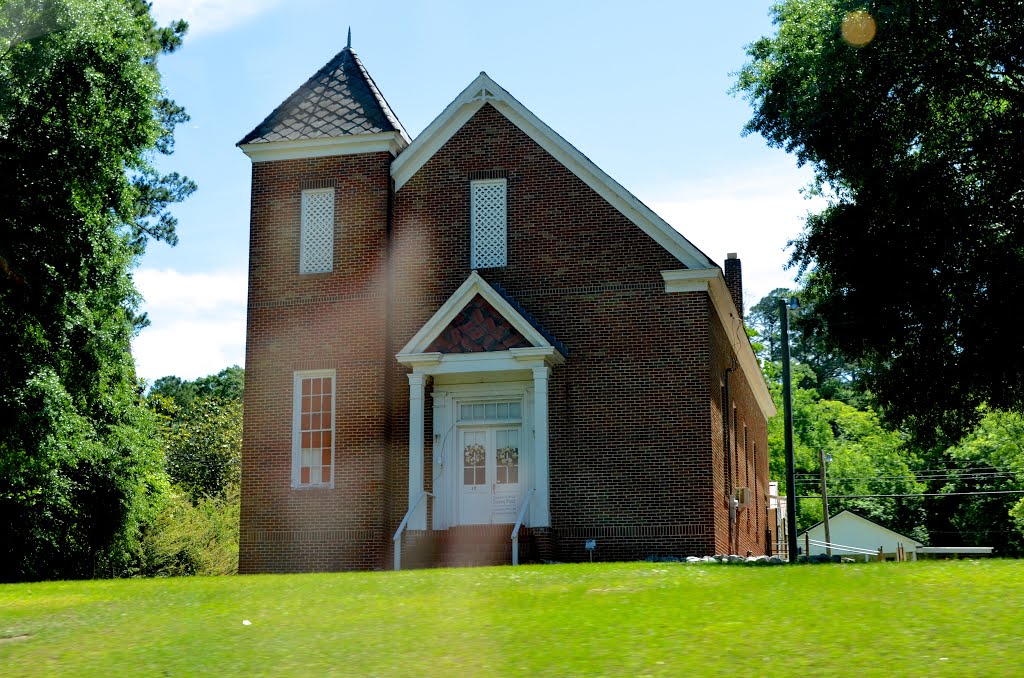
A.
x: 478, y: 326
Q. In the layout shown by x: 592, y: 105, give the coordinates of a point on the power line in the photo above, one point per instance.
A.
x: 977, y: 476
x: 956, y: 476
x: 975, y: 469
x: 922, y: 494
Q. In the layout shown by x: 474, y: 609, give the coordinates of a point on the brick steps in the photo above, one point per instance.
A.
x: 468, y: 546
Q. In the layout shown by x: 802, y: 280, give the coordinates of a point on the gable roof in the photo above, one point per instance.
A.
x: 475, y: 286
x: 340, y: 99
x: 484, y: 91
x: 847, y: 514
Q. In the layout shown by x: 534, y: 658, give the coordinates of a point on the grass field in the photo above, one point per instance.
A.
x: 961, y: 618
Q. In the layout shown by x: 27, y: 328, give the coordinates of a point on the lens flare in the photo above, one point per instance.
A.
x: 859, y: 28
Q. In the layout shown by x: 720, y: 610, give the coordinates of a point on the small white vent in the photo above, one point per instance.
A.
x: 317, y: 248
x: 489, y: 224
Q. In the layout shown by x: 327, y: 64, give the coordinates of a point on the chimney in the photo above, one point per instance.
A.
x: 734, y: 281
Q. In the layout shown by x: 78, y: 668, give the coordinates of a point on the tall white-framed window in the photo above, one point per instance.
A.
x: 488, y: 223
x: 313, y: 429
x: 316, y: 248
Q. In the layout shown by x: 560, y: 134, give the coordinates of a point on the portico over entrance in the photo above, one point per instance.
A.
x: 490, y: 363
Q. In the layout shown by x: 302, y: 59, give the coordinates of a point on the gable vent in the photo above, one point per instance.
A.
x: 488, y: 217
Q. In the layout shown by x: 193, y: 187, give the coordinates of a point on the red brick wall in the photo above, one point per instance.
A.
x: 747, y: 470
x: 324, y: 321
x: 630, y: 452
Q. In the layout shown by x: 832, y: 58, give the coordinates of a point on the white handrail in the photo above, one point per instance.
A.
x: 519, y: 524
x: 401, y: 528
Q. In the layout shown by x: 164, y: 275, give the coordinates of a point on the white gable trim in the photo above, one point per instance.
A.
x: 482, y: 91
x: 414, y: 352
x: 391, y: 142
x: 711, y: 281
x: 846, y: 515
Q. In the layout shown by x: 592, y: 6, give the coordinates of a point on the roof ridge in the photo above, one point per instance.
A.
x: 385, y: 107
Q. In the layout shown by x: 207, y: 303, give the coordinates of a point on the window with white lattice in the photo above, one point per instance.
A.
x: 488, y: 224
x: 316, y: 254
x: 313, y: 429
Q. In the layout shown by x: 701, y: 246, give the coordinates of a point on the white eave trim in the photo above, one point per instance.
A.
x: 511, y: 360
x: 711, y: 281
x: 391, y: 142
x: 414, y: 351
x: 483, y: 90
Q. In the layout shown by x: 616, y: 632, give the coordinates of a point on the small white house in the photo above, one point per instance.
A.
x: 850, y: 530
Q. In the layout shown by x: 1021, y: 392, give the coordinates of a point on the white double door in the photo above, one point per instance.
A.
x: 490, y: 484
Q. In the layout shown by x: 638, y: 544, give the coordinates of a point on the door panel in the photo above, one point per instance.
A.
x: 489, y: 484
x: 505, y: 503
x: 475, y: 491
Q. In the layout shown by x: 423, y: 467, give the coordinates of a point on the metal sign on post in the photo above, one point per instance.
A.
x: 590, y: 545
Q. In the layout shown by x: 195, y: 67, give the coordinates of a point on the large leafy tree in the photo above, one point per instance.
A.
x: 982, y: 482
x: 911, y: 116
x: 225, y: 386
x: 201, y: 431
x: 196, y: 531
x: 81, y: 113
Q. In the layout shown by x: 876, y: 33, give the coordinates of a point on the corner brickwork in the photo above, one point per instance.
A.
x: 332, y: 321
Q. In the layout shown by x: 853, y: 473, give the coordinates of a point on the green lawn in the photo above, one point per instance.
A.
x: 938, y: 618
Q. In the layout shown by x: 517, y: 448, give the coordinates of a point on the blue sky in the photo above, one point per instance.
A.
x: 641, y: 88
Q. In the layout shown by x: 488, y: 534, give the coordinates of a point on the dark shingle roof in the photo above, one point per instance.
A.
x: 340, y: 99
x: 562, y: 348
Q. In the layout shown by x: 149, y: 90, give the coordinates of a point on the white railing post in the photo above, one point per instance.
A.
x: 397, y: 539
x: 519, y: 524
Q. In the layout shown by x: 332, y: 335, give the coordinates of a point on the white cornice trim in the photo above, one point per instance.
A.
x: 415, y: 350
x: 483, y: 90
x: 509, y: 361
x: 391, y: 142
x: 712, y: 281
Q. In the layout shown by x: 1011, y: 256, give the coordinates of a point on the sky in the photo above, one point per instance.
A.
x: 641, y: 88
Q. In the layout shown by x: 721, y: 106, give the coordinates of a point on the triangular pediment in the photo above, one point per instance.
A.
x: 478, y: 327
x: 478, y: 318
x: 483, y: 91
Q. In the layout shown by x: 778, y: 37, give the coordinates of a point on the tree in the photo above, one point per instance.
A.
x: 918, y: 135
x: 867, y: 459
x: 226, y: 385
x: 833, y: 377
x: 203, y: 448
x: 81, y: 112
x: 196, y: 530
x: 990, y: 459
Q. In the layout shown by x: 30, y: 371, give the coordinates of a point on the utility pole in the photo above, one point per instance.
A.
x: 787, y: 419
x: 822, y: 460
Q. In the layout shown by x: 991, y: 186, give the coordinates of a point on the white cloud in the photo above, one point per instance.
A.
x: 210, y: 16
x: 197, y: 323
x: 752, y: 214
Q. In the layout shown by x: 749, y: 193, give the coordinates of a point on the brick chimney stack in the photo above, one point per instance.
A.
x: 734, y: 281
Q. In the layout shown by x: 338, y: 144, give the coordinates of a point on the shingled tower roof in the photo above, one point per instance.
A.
x: 340, y: 99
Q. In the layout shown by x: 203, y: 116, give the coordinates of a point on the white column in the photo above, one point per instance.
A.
x: 539, y: 511
x: 418, y: 520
